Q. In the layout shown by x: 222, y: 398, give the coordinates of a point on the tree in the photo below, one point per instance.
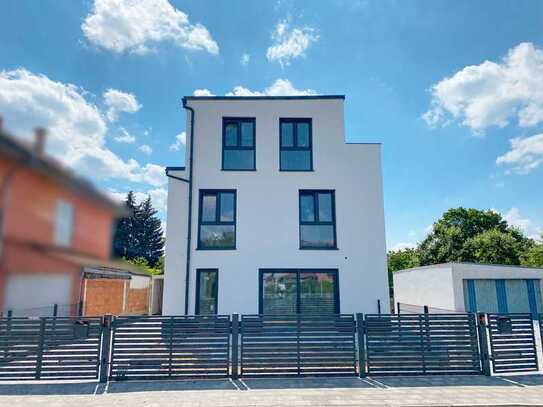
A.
x: 139, y: 235
x: 533, y: 255
x: 449, y: 238
x: 399, y: 260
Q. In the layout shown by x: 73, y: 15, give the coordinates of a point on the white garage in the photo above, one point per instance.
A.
x: 32, y: 294
x: 470, y: 287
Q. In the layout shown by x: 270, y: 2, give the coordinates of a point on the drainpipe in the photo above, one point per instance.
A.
x: 189, y: 226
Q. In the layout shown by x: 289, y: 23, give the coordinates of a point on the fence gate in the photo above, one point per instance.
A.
x: 298, y: 345
x: 401, y: 344
x: 512, y: 343
x: 170, y: 347
x: 49, y: 348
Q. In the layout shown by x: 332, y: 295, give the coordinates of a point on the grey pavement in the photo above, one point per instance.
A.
x: 376, y: 391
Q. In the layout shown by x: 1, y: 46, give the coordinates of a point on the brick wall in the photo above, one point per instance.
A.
x: 104, y: 296
x: 138, y: 301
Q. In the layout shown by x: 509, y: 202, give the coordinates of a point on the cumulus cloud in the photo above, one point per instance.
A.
x: 117, y: 101
x: 125, y: 137
x: 245, y: 58
x: 525, y: 154
x: 290, y: 44
x: 492, y: 93
x: 137, y: 25
x: 159, y: 197
x: 76, y: 127
x: 203, y: 92
x: 180, y: 140
x: 527, y: 226
x: 403, y: 246
x: 146, y: 149
x: 281, y: 87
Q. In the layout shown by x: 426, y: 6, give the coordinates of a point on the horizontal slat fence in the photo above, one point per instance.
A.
x: 416, y: 344
x: 170, y: 347
x: 49, y: 348
x: 512, y: 343
x: 298, y: 345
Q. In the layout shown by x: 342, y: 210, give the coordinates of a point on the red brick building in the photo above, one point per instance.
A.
x: 55, y: 234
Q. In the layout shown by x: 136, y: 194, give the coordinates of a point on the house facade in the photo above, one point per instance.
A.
x: 470, y: 287
x: 55, y: 239
x: 274, y: 212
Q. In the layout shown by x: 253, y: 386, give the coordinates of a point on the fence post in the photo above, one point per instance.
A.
x: 41, y: 343
x: 361, y: 331
x: 426, y: 309
x: 397, y: 308
x: 105, y: 351
x: 235, y: 334
x: 379, y: 307
x: 55, y: 310
x: 80, y: 309
x: 483, y: 343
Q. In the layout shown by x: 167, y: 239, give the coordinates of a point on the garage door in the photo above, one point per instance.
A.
x: 502, y: 295
x: 35, y: 294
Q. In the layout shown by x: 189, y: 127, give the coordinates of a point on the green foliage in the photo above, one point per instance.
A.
x: 533, y: 255
x: 472, y: 235
x: 400, y: 260
x: 142, y: 264
x: 139, y: 235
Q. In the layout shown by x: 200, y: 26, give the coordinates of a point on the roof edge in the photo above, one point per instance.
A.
x: 173, y: 168
x: 294, y: 97
x: 453, y: 263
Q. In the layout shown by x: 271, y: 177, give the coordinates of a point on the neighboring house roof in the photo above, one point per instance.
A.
x: 307, y: 97
x: 450, y: 264
x: 52, y: 169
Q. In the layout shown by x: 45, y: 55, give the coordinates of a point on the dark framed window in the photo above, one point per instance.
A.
x: 217, y: 220
x: 317, y: 219
x: 291, y: 291
x: 207, y: 291
x: 296, y: 145
x: 238, y: 144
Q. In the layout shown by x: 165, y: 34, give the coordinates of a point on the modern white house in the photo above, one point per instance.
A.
x: 274, y: 212
x: 470, y: 287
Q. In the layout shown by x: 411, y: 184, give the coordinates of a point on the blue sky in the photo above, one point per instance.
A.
x: 453, y: 89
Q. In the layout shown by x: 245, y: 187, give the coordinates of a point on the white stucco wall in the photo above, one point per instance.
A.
x: 432, y: 286
x: 267, y: 208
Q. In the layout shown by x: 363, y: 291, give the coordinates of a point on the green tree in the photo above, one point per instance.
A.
x: 494, y: 247
x: 451, y: 233
x: 533, y: 255
x: 139, y: 235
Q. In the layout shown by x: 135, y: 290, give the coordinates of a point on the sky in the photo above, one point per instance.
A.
x: 452, y: 89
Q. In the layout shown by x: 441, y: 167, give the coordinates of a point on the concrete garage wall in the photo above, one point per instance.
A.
x: 267, y: 208
x: 432, y: 286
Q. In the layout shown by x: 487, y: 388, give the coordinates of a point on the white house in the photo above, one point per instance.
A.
x: 274, y: 212
x: 470, y: 287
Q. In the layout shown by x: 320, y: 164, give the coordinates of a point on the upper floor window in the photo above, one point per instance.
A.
x: 238, y: 144
x: 217, y: 219
x: 317, y: 220
x: 64, y: 222
x: 296, y: 145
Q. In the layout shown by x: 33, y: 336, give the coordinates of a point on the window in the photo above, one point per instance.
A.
x: 317, y: 220
x: 238, y: 144
x: 64, y: 222
x: 294, y: 291
x: 207, y: 289
x: 296, y: 145
x: 217, y: 220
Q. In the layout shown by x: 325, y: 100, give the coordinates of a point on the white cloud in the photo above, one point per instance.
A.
x: 180, y: 140
x: 146, y: 149
x: 203, y: 92
x: 514, y: 218
x: 76, y: 127
x: 117, y: 101
x: 525, y: 154
x: 125, y: 137
x: 403, y: 246
x: 288, y: 45
x: 245, y: 58
x: 159, y: 197
x: 492, y: 94
x: 137, y: 25
x: 281, y: 87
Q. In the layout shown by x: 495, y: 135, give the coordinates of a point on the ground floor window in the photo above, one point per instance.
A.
x: 290, y: 291
x: 207, y: 289
x: 502, y: 295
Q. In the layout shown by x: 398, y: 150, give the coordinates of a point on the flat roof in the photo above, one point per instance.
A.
x: 450, y: 264
x: 300, y: 97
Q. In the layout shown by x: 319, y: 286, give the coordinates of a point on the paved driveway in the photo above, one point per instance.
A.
x: 397, y: 391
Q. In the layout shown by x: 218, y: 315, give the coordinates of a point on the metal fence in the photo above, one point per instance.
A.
x: 173, y: 347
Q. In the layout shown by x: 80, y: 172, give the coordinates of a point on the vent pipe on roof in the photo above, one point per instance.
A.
x: 40, y: 135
